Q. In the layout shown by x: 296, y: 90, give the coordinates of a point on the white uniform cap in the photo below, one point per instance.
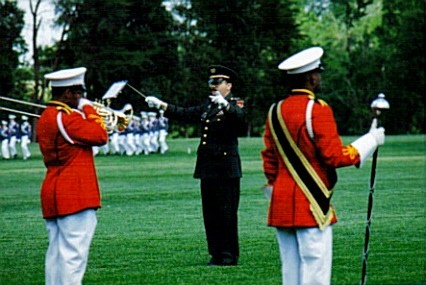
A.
x: 3, y: 122
x: 304, y: 61
x: 144, y: 115
x: 11, y: 116
x: 67, y: 77
x: 24, y: 118
x: 152, y: 114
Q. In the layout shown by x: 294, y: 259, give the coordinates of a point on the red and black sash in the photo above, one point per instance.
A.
x: 301, y: 170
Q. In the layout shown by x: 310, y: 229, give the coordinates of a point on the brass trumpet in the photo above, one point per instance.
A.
x: 113, y: 119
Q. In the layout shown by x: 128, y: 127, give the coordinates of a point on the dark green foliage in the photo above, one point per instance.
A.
x: 11, y: 43
x: 402, y: 35
x: 120, y: 40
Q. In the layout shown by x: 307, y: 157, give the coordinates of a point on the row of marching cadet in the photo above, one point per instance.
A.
x: 11, y: 134
x: 144, y: 135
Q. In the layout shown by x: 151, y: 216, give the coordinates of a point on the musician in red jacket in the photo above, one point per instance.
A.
x: 302, y: 151
x: 66, y: 132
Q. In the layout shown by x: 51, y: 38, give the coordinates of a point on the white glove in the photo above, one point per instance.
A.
x: 154, y: 102
x: 83, y: 102
x: 367, y: 144
x: 377, y: 133
x: 219, y: 100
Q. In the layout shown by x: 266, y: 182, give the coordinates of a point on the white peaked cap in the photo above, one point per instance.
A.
x: 24, y: 118
x: 304, y: 61
x: 3, y: 122
x: 11, y: 116
x: 67, y: 77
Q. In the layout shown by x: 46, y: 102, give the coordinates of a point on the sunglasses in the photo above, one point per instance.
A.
x: 216, y: 81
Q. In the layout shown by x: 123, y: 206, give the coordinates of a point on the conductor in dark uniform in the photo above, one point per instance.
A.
x: 218, y: 164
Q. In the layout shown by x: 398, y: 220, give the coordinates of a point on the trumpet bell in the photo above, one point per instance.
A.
x: 114, y: 119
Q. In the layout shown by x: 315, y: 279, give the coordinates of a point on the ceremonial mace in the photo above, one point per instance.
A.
x: 377, y: 106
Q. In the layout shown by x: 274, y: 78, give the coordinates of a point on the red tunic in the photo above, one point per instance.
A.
x: 70, y: 185
x: 289, y: 207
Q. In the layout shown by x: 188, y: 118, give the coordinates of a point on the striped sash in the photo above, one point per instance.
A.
x: 301, y: 170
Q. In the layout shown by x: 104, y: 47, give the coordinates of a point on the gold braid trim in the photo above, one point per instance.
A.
x: 351, y: 151
x: 321, y: 219
x: 97, y: 119
x: 61, y: 106
x: 311, y: 95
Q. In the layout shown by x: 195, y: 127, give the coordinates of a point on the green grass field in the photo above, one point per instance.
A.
x: 150, y: 228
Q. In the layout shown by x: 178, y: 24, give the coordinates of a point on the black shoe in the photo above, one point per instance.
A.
x: 229, y: 261
x: 214, y: 262
x: 222, y: 262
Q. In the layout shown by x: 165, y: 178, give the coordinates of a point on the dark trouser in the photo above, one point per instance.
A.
x: 220, y: 198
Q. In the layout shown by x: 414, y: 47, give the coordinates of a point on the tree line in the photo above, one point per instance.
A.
x: 164, y: 48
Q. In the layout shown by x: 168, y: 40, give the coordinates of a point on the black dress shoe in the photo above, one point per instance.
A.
x: 222, y: 262
x: 229, y: 261
x: 214, y: 262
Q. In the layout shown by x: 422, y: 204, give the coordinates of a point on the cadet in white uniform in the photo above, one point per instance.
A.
x: 13, y: 135
x: 113, y: 138
x: 153, y: 131
x: 163, y: 126
x: 144, y: 130
x: 25, y: 137
x: 130, y: 138
x: 4, y: 135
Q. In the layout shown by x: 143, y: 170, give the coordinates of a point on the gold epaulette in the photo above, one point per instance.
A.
x: 322, y: 102
x: 64, y: 109
x: 61, y: 107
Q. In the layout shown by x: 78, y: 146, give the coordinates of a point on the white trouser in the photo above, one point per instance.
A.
x: 98, y: 149
x: 136, y: 142
x: 130, y: 144
x: 12, y: 146
x: 145, y: 144
x: 69, y: 243
x: 114, y: 143
x: 122, y: 143
x: 162, y: 140
x: 5, y: 149
x: 24, y: 147
x: 105, y: 148
x: 153, y: 140
x: 306, y: 255
x: 95, y: 150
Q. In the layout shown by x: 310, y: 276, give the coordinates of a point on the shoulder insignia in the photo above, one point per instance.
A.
x: 322, y: 102
x: 98, y: 120
x: 238, y: 101
x: 61, y: 106
x: 351, y: 151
